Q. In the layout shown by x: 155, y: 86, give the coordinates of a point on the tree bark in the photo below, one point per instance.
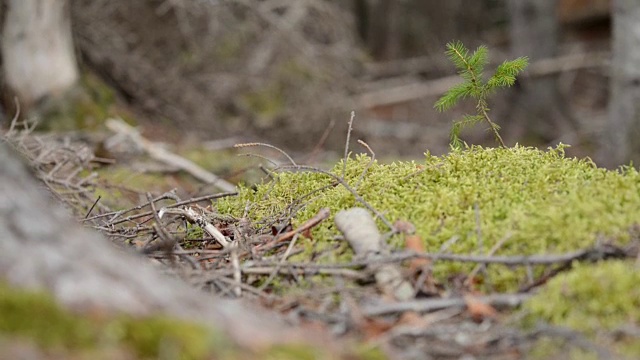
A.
x: 41, y: 248
x: 620, y: 140
x: 37, y: 49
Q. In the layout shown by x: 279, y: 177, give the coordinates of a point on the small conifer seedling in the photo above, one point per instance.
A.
x: 470, y: 68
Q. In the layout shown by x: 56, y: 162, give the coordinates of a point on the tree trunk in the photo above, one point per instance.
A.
x: 37, y: 49
x: 382, y: 33
x: 620, y: 140
x: 41, y: 248
x: 534, y: 33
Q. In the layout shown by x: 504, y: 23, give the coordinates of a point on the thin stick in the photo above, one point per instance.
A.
x: 93, y: 206
x: 237, y: 274
x: 14, y: 120
x: 165, y: 242
x: 427, y: 305
x: 600, y: 252
x: 277, y: 268
x: 321, y: 142
x: 185, y: 202
x: 346, y: 145
x: 322, y: 215
x: 366, y: 169
x: 237, y: 146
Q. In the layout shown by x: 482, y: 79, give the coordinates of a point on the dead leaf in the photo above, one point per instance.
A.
x: 414, y: 243
x: 411, y: 318
x: 479, y: 310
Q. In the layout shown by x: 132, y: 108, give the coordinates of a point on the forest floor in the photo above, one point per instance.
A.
x: 122, y: 183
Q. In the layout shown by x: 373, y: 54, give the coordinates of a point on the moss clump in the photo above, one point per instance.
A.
x: 591, y: 298
x: 594, y: 299
x: 531, y: 201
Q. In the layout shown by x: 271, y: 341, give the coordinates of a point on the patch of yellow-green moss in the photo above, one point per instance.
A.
x: 530, y: 201
x: 593, y: 299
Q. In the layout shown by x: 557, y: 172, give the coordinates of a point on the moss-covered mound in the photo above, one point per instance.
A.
x: 594, y: 299
x: 526, y: 200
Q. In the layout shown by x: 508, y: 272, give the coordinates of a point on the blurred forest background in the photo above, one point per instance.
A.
x: 285, y: 71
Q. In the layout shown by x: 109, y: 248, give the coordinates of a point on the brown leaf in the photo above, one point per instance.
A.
x: 411, y: 318
x: 307, y: 233
x: 373, y: 328
x: 479, y: 310
x: 414, y: 243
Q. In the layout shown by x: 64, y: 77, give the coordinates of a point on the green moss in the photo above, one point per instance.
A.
x: 530, y: 200
x: 594, y: 299
x: 86, y: 106
x: 591, y: 298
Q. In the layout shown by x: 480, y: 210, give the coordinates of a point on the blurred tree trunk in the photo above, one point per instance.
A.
x: 621, y: 138
x: 379, y: 27
x: 534, y: 33
x: 41, y: 248
x: 37, y: 49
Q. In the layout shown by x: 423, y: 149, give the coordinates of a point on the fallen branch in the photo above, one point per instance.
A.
x: 199, y: 219
x: 592, y: 254
x: 165, y: 156
x: 431, y: 88
x: 427, y: 305
x: 117, y: 214
x: 322, y: 215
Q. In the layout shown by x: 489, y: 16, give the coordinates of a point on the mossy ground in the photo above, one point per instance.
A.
x: 519, y: 200
x: 594, y: 299
x: 530, y: 201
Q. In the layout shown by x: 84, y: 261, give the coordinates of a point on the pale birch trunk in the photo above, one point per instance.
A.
x: 37, y: 49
